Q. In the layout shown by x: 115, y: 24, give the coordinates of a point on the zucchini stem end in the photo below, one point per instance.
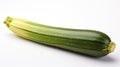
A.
x: 111, y: 47
x: 7, y: 21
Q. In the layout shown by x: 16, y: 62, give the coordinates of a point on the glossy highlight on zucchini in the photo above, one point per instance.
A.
x: 88, y: 42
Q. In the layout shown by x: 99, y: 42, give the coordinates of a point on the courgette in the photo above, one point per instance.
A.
x: 88, y: 42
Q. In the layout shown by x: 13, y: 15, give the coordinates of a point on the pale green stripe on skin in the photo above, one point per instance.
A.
x: 52, y: 31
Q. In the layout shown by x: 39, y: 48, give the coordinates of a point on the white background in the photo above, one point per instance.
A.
x: 102, y: 15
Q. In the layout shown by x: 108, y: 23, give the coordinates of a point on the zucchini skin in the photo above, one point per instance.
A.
x: 88, y: 42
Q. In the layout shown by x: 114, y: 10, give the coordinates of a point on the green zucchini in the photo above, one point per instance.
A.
x: 88, y: 42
